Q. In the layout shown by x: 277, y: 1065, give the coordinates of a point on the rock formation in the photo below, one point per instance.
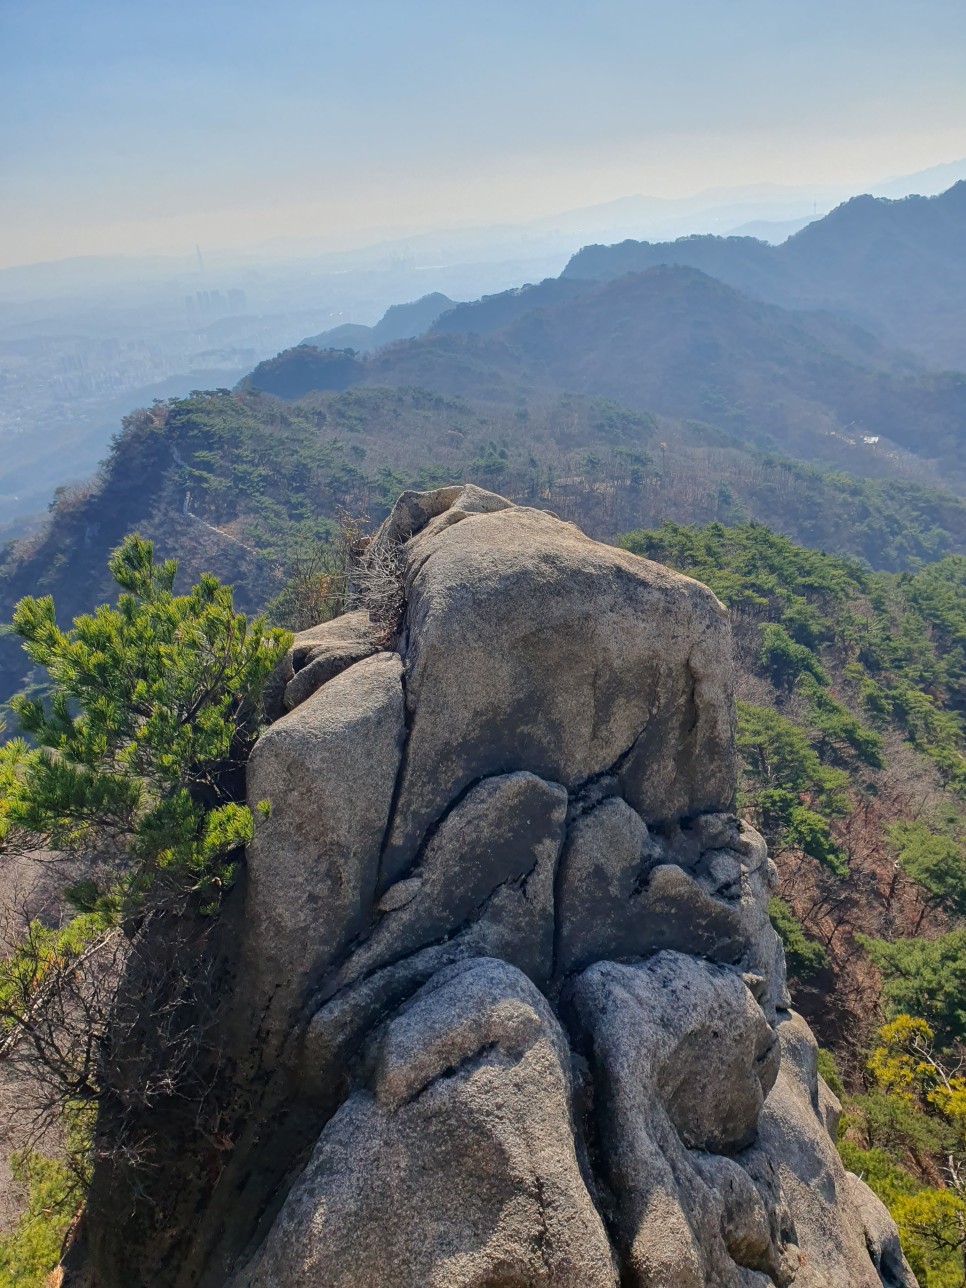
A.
x: 508, y: 986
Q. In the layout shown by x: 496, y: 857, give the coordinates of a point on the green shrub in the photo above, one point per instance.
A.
x: 829, y: 1071
x: 803, y: 956
x: 31, y: 1251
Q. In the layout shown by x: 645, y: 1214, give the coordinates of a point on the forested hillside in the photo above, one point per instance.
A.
x: 852, y: 696
x: 244, y: 484
x: 674, y: 341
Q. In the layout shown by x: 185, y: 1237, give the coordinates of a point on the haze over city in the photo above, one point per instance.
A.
x: 127, y: 129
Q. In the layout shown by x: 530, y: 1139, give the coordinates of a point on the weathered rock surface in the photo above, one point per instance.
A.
x: 512, y: 1011
x: 682, y: 1058
x: 560, y: 656
x: 623, y: 892
x: 457, y: 1164
x: 326, y: 774
x: 506, y: 830
x: 316, y: 656
x: 842, y: 1234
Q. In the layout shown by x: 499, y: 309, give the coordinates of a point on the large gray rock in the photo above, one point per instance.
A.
x: 533, y: 796
x: 457, y: 1167
x: 843, y: 1235
x: 325, y: 773
x: 682, y: 1059
x: 510, y: 1007
x: 529, y: 646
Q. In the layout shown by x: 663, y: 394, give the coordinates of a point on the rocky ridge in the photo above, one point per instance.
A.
x: 508, y: 991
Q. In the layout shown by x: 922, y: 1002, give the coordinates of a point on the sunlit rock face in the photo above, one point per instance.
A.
x: 507, y: 938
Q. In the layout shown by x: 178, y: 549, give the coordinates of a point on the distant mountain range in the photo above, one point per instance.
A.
x: 648, y: 381
x: 400, y: 322
x: 692, y: 329
x: 676, y: 341
x: 897, y: 267
x: 894, y: 268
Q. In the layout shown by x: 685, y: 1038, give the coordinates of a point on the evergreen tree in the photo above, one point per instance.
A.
x: 130, y: 770
x: 134, y: 752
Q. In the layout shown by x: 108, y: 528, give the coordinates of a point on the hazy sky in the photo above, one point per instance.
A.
x: 127, y: 125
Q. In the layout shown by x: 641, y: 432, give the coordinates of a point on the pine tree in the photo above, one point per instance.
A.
x: 152, y: 705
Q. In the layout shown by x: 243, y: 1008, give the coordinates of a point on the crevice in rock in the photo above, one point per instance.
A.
x: 465, y: 1065
x: 542, y: 1234
x: 400, y: 777
x: 692, y: 707
x: 322, y: 997
x: 558, y: 879
x: 428, y: 836
x: 588, y: 1147
x: 589, y: 794
x: 643, y: 878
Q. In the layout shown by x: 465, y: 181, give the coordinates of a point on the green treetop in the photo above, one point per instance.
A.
x: 151, y: 705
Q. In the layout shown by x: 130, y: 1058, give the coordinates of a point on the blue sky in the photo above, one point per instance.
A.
x: 158, y: 123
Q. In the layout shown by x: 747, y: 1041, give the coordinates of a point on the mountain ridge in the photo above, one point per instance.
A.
x: 897, y: 266
x: 399, y: 322
x: 675, y: 341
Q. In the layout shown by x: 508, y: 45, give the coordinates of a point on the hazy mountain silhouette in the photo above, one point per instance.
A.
x: 898, y: 267
x: 399, y: 322
x: 676, y: 341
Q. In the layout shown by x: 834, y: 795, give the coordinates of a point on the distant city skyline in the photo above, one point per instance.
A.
x: 126, y: 129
